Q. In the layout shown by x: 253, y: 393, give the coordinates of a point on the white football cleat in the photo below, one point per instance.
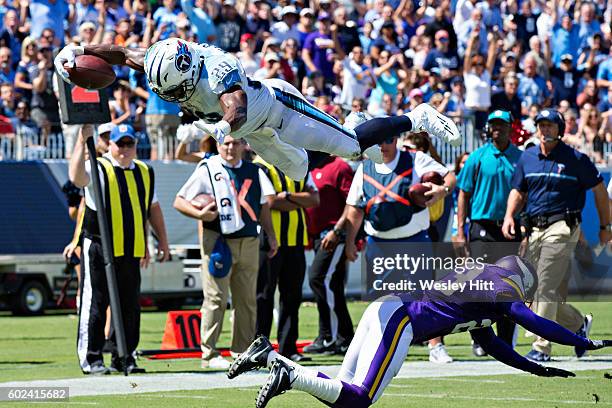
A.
x: 439, y: 355
x: 424, y: 117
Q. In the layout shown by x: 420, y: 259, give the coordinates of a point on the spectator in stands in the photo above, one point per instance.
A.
x: 44, y: 103
x: 525, y: 22
x: 320, y: 46
x: 84, y: 11
x: 456, y: 106
x: 492, y: 15
x: 473, y: 30
x: 588, y: 95
x: 24, y: 128
x: 441, y: 22
x: 294, y: 61
x: 477, y: 79
x: 365, y: 37
x: 271, y: 69
x: 48, y: 14
x: 347, y: 30
x: 27, y: 63
x: 165, y: 18
x: 565, y: 80
x: 258, y: 20
x: 230, y: 26
x: 187, y: 135
x: 386, y: 40
x: 7, y: 100
x: 121, y: 108
x: 571, y: 128
x: 388, y: 76
x: 532, y: 87
x: 540, y: 54
x: 305, y: 25
x: 507, y: 99
x: 287, y: 27
x: 235, y: 249
x: 250, y: 61
x: 605, y: 105
x: 443, y: 57
x: 591, y: 135
x: 357, y: 77
x: 200, y: 17
x: 7, y: 73
x: 565, y: 36
x: 13, y: 32
x: 48, y: 39
x: 587, y: 23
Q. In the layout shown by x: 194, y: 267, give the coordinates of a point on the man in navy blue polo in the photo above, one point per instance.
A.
x: 484, y: 185
x: 551, y: 180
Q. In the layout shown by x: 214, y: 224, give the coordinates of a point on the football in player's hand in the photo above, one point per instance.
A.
x: 416, y: 194
x: 432, y: 177
x: 91, y: 72
x: 202, y: 200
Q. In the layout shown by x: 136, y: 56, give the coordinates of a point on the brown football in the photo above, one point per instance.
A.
x: 202, y: 200
x: 432, y: 177
x: 416, y: 194
x: 91, y: 72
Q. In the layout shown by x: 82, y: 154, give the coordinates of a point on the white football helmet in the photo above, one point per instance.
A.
x: 173, y: 69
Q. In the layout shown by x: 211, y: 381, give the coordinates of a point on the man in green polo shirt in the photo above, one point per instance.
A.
x: 484, y: 185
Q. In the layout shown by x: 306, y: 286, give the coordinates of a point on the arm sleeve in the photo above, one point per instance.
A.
x: 198, y: 183
x: 355, y: 195
x: 501, y: 351
x: 266, y: 187
x: 519, y: 182
x: 551, y: 331
x: 465, y: 180
x: 589, y: 175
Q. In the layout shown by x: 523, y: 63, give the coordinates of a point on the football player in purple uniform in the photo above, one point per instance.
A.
x: 390, y: 325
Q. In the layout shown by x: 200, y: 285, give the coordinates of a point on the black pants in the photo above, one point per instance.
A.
x: 95, y: 300
x: 327, y: 279
x: 287, y: 269
x: 486, y: 237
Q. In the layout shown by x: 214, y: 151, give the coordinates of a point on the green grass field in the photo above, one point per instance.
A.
x: 44, y: 348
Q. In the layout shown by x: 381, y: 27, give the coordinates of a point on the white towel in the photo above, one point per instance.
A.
x: 229, y: 212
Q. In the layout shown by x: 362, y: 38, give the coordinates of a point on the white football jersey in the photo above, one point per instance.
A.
x: 221, y: 72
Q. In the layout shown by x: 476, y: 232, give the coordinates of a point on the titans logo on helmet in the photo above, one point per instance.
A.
x: 182, y: 61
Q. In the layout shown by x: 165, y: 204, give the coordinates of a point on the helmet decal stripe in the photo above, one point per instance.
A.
x: 152, y: 65
x: 158, y: 77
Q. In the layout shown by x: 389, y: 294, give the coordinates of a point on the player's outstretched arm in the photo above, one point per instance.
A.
x: 520, y: 314
x: 113, y: 54
x: 234, y: 105
x: 499, y: 350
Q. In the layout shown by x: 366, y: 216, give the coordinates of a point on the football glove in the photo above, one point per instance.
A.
x: 217, y: 130
x: 553, y: 372
x: 66, y: 57
x: 599, y: 344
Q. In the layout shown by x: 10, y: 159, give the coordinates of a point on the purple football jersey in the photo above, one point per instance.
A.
x: 463, y: 302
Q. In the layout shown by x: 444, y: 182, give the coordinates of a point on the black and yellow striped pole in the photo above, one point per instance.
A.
x: 107, y: 250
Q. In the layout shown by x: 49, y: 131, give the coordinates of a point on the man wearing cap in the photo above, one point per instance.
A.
x: 128, y: 190
x: 484, y: 185
x: 230, y: 26
x: 318, y: 45
x: 507, y: 99
x: 230, y: 243
x: 287, y: 27
x: 442, y: 57
x: 565, y: 80
x: 551, y: 181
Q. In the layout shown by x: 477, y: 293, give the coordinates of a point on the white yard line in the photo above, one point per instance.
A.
x: 482, y: 398
x: 118, y: 384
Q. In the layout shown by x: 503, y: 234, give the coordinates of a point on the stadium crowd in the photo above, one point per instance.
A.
x: 465, y: 57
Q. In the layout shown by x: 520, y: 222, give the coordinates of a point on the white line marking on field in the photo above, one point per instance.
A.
x: 479, y: 398
x: 118, y: 384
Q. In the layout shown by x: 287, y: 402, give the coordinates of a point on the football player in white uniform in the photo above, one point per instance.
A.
x: 272, y: 116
